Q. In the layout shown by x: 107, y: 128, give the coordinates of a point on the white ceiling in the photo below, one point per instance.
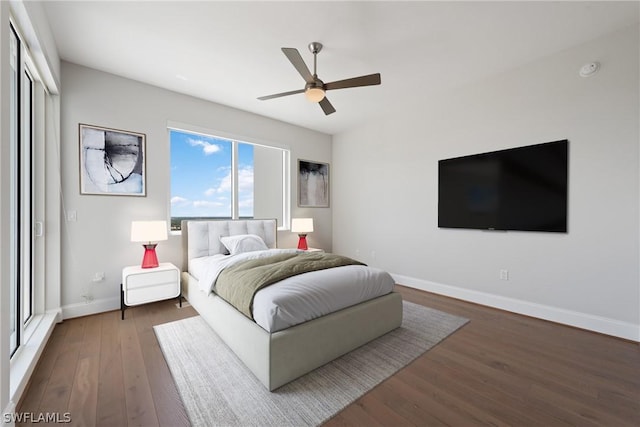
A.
x: 229, y: 52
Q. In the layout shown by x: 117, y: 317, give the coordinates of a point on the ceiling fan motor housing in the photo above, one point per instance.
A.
x: 317, y: 83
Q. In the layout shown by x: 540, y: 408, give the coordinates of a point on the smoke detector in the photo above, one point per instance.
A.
x: 589, y: 69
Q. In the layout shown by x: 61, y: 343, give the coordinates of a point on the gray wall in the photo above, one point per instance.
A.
x: 99, y: 240
x: 385, y: 189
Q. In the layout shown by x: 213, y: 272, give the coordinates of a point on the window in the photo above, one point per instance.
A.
x: 22, y: 191
x: 220, y: 178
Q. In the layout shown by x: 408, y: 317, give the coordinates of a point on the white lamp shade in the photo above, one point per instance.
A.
x: 302, y: 225
x: 148, y: 231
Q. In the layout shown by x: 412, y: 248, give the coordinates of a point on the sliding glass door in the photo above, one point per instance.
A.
x: 26, y: 200
x: 21, y: 192
x: 14, y: 157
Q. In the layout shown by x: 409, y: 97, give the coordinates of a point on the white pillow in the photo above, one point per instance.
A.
x: 241, y: 243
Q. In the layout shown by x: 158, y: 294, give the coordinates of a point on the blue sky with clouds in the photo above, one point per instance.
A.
x: 201, y: 176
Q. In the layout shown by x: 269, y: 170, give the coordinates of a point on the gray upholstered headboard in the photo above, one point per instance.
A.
x: 202, y: 238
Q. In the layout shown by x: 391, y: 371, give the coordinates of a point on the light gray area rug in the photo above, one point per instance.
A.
x: 218, y: 390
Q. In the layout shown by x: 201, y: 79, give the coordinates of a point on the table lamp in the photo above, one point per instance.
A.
x: 151, y: 232
x: 302, y: 226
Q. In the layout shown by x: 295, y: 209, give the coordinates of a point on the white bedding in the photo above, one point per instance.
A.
x: 300, y: 298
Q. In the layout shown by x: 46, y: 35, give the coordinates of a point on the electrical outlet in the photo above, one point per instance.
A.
x: 504, y: 274
x: 98, y: 277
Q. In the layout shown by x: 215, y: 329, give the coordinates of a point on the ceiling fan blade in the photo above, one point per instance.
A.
x: 370, y: 80
x: 278, y: 95
x: 326, y: 106
x: 297, y: 61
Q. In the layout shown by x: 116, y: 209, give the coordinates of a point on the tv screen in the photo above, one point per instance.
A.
x: 521, y: 188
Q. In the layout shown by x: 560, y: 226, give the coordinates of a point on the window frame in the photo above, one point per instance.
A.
x: 235, y: 141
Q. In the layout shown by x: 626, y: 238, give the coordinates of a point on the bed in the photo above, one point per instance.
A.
x: 276, y: 358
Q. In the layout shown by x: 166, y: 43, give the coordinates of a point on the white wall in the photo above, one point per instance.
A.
x: 5, y: 211
x: 267, y: 179
x: 99, y: 240
x: 385, y: 189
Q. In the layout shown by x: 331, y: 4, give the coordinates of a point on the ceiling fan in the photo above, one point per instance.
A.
x: 315, y: 89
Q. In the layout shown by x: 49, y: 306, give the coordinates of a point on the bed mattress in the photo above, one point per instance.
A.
x: 300, y: 298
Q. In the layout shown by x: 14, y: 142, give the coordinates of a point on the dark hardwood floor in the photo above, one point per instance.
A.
x: 500, y: 369
x: 105, y: 371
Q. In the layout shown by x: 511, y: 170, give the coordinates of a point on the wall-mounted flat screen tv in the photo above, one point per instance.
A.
x: 521, y: 188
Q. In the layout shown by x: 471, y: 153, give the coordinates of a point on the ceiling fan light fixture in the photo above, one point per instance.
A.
x: 314, y: 94
x: 314, y: 89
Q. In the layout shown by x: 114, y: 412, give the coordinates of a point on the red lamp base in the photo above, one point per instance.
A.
x: 150, y: 259
x: 302, y: 243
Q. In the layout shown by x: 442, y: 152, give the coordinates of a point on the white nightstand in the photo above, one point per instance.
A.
x: 311, y: 250
x: 144, y: 285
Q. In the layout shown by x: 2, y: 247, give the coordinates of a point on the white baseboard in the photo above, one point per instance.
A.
x: 94, y: 307
x: 590, y: 322
x: 57, y: 314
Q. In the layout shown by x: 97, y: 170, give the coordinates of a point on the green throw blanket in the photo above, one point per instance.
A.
x: 239, y: 283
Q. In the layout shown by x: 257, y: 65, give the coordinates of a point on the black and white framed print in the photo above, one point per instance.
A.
x: 313, y: 184
x: 112, y: 161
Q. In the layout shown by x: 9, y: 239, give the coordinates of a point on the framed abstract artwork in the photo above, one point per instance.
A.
x: 112, y: 161
x: 313, y: 184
